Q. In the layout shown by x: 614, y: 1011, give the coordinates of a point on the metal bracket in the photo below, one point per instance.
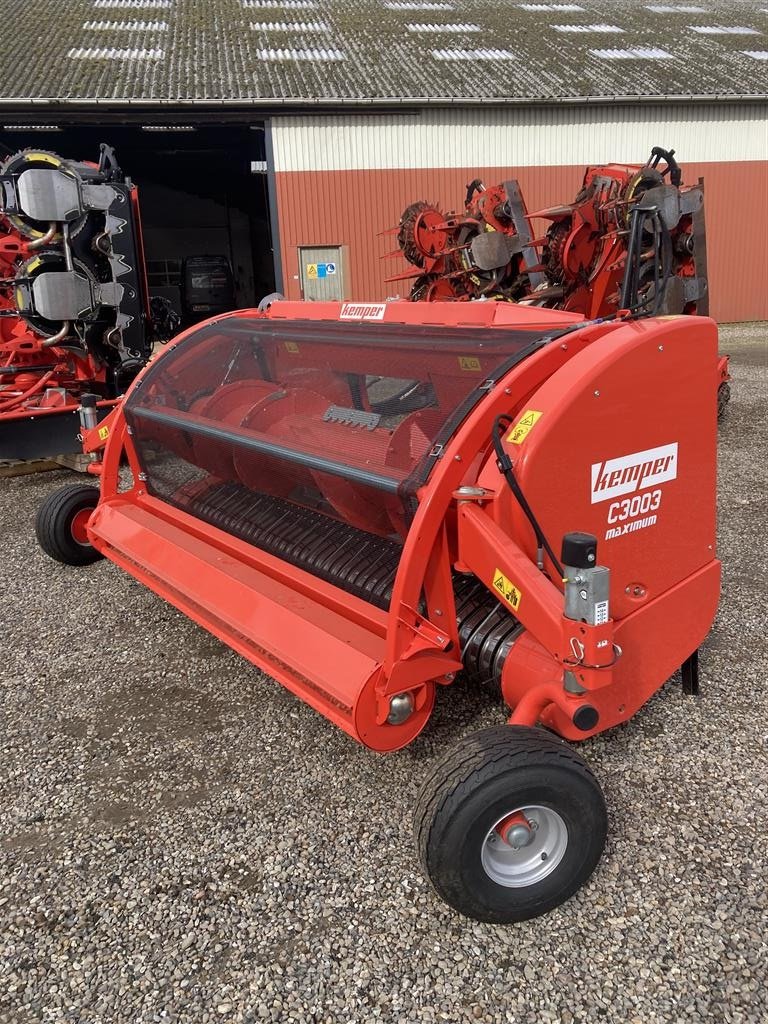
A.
x: 351, y: 417
x: 424, y: 629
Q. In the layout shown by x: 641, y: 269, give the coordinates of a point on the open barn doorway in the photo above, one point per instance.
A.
x: 204, y: 203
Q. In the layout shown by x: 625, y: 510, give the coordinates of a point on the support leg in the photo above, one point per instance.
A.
x: 690, y: 673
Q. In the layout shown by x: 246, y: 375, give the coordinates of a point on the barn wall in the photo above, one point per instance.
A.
x: 345, y: 180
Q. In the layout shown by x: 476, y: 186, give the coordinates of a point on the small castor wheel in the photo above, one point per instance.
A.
x: 510, y: 824
x: 61, y: 524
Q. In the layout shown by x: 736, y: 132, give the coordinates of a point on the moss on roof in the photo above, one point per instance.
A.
x: 348, y: 50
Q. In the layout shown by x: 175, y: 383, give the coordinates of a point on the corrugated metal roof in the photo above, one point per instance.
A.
x: 337, y: 51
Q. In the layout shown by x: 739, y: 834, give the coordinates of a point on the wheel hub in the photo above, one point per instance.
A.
x: 524, y: 846
x: 517, y: 831
x: 80, y: 526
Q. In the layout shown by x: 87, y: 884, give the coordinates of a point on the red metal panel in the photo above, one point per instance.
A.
x: 352, y: 208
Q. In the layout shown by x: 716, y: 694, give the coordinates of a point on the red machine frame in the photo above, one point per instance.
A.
x: 354, y: 658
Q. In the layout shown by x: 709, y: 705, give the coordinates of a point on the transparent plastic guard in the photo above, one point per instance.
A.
x: 344, y: 420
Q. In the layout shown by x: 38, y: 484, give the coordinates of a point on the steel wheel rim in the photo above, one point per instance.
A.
x: 529, y: 864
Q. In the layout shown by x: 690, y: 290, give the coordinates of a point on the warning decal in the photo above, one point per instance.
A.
x: 103, y: 433
x: 507, y: 589
x: 292, y: 347
x: 523, y: 427
x: 317, y: 271
x: 469, y: 363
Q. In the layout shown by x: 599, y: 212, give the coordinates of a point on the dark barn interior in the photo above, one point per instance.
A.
x: 202, y: 189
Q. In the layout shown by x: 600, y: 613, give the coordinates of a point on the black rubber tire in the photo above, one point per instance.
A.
x: 53, y: 525
x: 491, y: 773
x: 723, y: 398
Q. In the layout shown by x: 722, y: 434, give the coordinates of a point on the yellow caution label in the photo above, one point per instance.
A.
x: 524, y: 426
x: 506, y: 589
x: 292, y: 347
x: 103, y: 433
x: 470, y: 363
x: 33, y: 264
x: 312, y: 271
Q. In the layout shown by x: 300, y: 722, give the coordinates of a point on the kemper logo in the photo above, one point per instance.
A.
x: 632, y: 473
x: 363, y: 311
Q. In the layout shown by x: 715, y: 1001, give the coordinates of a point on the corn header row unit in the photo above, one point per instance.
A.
x: 75, y: 313
x: 633, y: 239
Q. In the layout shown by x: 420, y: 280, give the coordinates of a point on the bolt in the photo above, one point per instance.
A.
x: 597, y: 394
x: 533, y: 823
x: 449, y: 677
x: 507, y: 391
x: 564, y: 347
x: 627, y: 590
x: 543, y: 856
x: 457, y: 458
x: 661, y: 348
x: 583, y: 595
x: 438, y: 611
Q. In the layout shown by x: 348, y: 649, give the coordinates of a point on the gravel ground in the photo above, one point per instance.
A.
x: 184, y: 841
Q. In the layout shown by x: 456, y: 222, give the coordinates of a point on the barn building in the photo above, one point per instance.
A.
x: 289, y: 134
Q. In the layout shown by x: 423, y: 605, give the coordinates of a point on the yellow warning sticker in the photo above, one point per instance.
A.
x: 523, y: 427
x: 103, y: 433
x: 33, y: 264
x: 507, y: 589
x: 469, y: 363
x: 312, y: 271
x: 292, y: 347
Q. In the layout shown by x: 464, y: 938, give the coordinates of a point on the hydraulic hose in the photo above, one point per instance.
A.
x: 9, y: 403
x: 503, y: 461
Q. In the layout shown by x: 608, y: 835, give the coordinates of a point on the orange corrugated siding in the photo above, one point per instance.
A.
x: 352, y: 208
